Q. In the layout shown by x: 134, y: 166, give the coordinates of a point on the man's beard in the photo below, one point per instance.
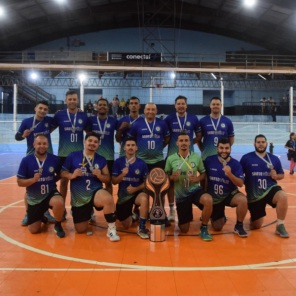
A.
x: 227, y: 155
x: 260, y: 151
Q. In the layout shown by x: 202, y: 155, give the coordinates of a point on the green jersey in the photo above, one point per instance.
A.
x: 190, y: 165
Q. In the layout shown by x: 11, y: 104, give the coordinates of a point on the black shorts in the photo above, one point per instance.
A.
x: 124, y: 210
x: 219, y: 208
x: 36, y: 212
x: 83, y: 213
x: 184, y: 208
x: 159, y: 164
x: 257, y: 208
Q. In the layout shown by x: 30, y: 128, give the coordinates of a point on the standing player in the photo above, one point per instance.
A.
x: 224, y: 176
x: 152, y: 135
x: 177, y: 122
x: 105, y: 126
x: 130, y: 173
x: 125, y: 123
x: 38, y: 172
x: 262, y: 171
x: 39, y: 124
x: 214, y: 127
x: 87, y: 171
x: 182, y: 168
x: 71, y: 123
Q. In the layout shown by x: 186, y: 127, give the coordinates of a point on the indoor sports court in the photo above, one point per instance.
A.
x: 242, y: 51
x: 80, y: 264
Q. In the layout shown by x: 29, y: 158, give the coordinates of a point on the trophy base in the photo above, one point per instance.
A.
x: 157, y: 232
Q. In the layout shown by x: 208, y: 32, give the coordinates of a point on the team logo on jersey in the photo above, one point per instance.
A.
x: 51, y: 169
x: 157, y: 128
x: 137, y: 171
x: 108, y: 125
x: 96, y: 166
x: 192, y: 164
x: 80, y: 121
x: 46, y: 124
x: 223, y: 125
x: 188, y: 123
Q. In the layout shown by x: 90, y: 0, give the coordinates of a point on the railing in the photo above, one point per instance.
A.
x: 219, y: 60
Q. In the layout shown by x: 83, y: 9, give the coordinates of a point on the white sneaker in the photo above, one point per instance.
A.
x: 113, y: 236
x: 171, y: 216
x: 143, y: 233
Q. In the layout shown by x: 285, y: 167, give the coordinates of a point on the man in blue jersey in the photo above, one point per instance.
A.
x: 87, y: 171
x: 152, y: 135
x: 183, y: 168
x: 125, y: 123
x: 262, y: 171
x: 224, y: 176
x: 39, y: 124
x: 105, y: 126
x: 214, y: 127
x: 130, y: 172
x: 177, y: 122
x: 38, y: 172
x: 71, y: 123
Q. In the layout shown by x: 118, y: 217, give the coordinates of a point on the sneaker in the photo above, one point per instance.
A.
x: 281, y: 231
x: 49, y: 217
x: 204, y: 234
x: 143, y: 233
x: 113, y: 236
x: 25, y: 221
x: 239, y: 230
x: 171, y: 216
x: 59, y: 230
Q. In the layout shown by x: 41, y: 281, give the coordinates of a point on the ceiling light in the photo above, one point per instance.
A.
x: 262, y: 76
x: 173, y: 75
x: 249, y: 3
x: 2, y: 11
x: 34, y: 76
x: 82, y: 77
x: 61, y: 1
x: 214, y: 76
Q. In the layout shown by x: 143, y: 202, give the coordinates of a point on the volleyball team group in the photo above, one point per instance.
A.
x: 209, y: 180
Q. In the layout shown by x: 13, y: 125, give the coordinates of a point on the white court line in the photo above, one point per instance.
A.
x: 130, y: 267
x: 10, y: 205
x: 120, y: 269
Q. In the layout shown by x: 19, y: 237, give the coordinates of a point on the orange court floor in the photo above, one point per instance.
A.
x: 80, y: 264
